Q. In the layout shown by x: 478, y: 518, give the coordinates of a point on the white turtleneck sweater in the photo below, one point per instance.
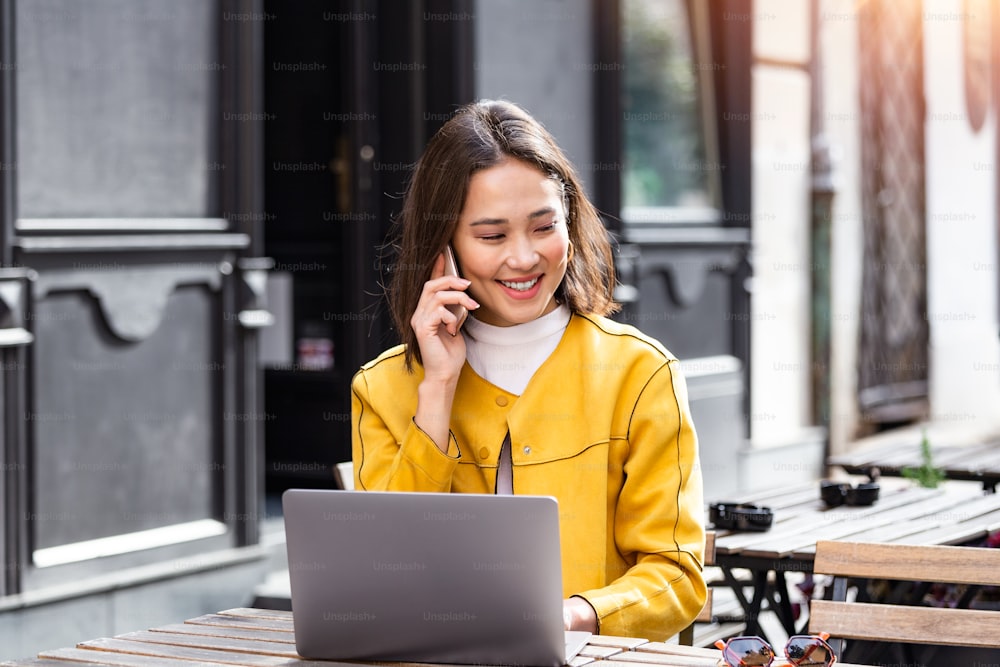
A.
x: 508, y: 357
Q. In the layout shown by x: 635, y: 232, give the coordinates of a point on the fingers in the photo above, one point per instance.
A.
x: 443, y: 307
x: 438, y: 269
x: 442, y: 303
x: 448, y: 291
x: 461, y: 313
x: 453, y: 326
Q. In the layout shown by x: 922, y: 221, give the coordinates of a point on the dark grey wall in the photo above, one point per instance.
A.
x: 131, y: 428
x: 136, y: 406
x: 117, y: 108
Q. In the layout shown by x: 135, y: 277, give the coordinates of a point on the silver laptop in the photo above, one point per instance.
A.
x: 427, y: 577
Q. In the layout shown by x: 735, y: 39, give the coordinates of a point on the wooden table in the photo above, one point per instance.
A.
x: 261, y: 637
x: 974, y: 462
x: 955, y: 513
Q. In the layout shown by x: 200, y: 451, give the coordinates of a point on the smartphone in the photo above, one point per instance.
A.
x: 451, y: 269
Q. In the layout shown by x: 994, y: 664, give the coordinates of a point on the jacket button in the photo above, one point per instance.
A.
x: 527, y: 450
x: 484, y: 453
x: 501, y: 401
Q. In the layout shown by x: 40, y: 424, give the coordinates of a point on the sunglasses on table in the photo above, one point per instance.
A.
x: 835, y: 494
x: 801, y: 650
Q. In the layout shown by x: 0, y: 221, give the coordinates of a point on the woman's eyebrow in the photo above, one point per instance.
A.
x: 488, y: 221
x: 540, y: 213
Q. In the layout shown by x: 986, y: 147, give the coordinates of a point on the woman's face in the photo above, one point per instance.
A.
x: 511, y: 242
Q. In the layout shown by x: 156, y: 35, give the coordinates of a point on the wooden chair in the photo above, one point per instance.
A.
x: 343, y: 475
x: 898, y: 623
x: 686, y: 635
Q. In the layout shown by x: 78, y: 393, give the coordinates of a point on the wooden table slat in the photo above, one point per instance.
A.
x: 816, y: 511
x: 620, y: 642
x: 789, y: 499
x: 592, y: 651
x: 65, y: 656
x: 932, y: 513
x: 778, y: 498
x: 736, y: 542
x: 678, y: 649
x: 957, y: 534
x: 962, y: 519
x: 254, y: 612
x: 226, y: 631
x: 901, y: 623
x: 898, y: 460
x: 42, y: 662
x: 957, y: 512
x: 191, y: 643
x: 864, y: 455
x: 631, y: 658
x: 970, y: 509
x: 776, y: 543
x: 893, y: 455
x: 956, y: 458
x: 985, y: 461
x: 881, y: 534
x: 976, y: 461
x: 839, y: 522
x: 116, y: 645
x: 280, y: 649
x: 243, y: 622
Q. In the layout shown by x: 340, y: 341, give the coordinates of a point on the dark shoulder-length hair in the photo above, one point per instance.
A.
x: 479, y: 136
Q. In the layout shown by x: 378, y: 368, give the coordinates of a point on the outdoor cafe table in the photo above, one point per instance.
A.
x: 979, y: 462
x: 954, y: 513
x: 263, y: 637
x: 260, y: 637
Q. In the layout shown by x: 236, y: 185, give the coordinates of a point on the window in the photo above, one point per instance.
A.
x: 671, y: 168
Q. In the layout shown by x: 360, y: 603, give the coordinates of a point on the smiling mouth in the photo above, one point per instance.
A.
x: 523, y: 286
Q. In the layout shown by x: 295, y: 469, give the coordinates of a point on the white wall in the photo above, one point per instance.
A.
x: 962, y: 264
x: 842, y: 125
x: 784, y: 447
x: 961, y: 235
x: 781, y: 220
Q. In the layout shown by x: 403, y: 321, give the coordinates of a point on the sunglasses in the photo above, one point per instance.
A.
x: 837, y: 493
x: 801, y: 650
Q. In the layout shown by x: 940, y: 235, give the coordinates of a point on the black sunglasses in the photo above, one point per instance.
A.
x: 841, y: 493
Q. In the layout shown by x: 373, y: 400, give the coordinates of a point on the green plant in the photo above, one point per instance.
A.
x: 926, y: 475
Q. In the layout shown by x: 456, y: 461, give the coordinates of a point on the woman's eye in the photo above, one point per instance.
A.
x: 492, y: 237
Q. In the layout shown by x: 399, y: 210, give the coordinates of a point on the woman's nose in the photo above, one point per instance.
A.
x: 522, y: 254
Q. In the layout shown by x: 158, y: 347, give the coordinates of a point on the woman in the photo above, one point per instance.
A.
x: 538, y: 393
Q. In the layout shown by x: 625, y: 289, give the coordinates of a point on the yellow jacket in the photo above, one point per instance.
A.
x: 604, y: 427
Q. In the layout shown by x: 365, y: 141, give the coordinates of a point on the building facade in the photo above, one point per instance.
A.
x: 197, y: 196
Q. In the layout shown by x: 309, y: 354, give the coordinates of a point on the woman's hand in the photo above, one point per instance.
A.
x: 579, y: 615
x: 442, y: 350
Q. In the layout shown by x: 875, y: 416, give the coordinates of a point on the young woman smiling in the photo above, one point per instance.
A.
x: 538, y: 393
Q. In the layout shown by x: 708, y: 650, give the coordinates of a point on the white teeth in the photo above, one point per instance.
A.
x: 520, y: 287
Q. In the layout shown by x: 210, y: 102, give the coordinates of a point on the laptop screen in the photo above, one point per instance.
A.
x: 425, y: 577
